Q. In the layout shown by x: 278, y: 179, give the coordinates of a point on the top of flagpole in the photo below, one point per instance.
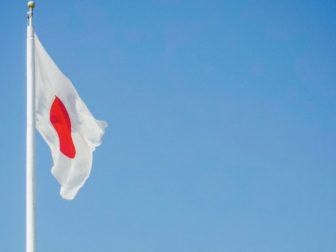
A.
x: 31, y: 6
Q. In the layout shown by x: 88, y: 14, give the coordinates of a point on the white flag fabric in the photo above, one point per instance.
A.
x: 65, y: 123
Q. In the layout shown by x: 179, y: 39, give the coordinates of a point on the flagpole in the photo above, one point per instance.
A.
x: 30, y: 137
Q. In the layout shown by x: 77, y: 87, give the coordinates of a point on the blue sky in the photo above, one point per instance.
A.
x: 222, y: 119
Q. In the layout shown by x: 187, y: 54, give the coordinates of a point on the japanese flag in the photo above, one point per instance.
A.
x: 65, y: 123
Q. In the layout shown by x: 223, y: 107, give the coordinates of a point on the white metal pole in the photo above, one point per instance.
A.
x: 30, y: 137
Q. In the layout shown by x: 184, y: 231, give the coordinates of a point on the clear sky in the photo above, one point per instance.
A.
x: 222, y: 125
